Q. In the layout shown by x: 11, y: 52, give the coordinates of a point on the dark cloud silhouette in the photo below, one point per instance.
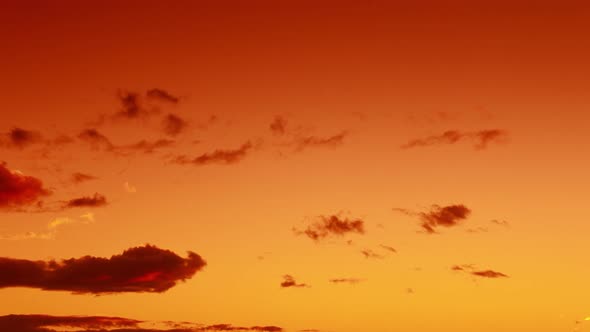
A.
x: 173, y: 124
x: 138, y: 269
x: 352, y: 281
x: 446, y: 216
x: 368, y: 253
x: 289, y: 281
x: 97, y: 200
x: 47, y: 323
x: 471, y: 269
x: 162, y: 95
x: 278, y: 126
x: 480, y: 139
x: 17, y: 190
x: 332, y: 225
x: 96, y: 140
x: 82, y: 177
x: 130, y: 106
x: 149, y: 146
x: 303, y: 143
x: 20, y: 138
x: 218, y: 156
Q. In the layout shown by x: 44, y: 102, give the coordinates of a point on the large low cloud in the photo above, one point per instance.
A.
x: 18, y: 190
x: 47, y: 323
x: 138, y: 269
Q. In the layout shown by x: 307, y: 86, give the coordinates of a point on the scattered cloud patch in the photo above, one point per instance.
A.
x: 330, y: 226
x: 97, y: 200
x: 289, y: 281
x: 439, y: 216
x: 173, y: 124
x: 224, y: 157
x: 479, y: 139
x: 162, y: 95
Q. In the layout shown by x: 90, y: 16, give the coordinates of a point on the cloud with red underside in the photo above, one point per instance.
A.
x: 139, y: 269
x: 18, y: 190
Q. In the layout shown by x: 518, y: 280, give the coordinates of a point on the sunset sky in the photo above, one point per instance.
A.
x: 313, y: 166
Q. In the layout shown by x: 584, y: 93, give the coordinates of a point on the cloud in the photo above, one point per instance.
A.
x: 218, y: 156
x: 480, y: 139
x: 82, y: 177
x: 500, y: 222
x: 173, y: 124
x: 303, y: 143
x: 162, y: 95
x: 129, y: 188
x: 96, y: 140
x: 471, y: 269
x: 130, y: 107
x: 332, y: 225
x: 278, y: 126
x: 150, y: 146
x: 352, y: 281
x: 17, y: 189
x: 289, y: 281
x: 97, y: 200
x: 20, y: 138
x: 368, y: 253
x: 388, y: 248
x: 47, y: 323
x: 138, y: 269
x: 446, y: 216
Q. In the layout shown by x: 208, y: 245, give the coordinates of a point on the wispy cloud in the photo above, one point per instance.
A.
x: 480, y: 139
x: 332, y: 225
x: 224, y: 157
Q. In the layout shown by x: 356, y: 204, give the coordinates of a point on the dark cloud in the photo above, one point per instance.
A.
x: 138, y: 269
x: 20, y: 138
x: 46, y: 323
x: 471, y: 269
x: 217, y: 157
x: 278, y: 126
x: 388, y: 248
x: 446, y: 216
x: 97, y: 200
x: 368, y: 253
x: 289, y: 281
x: 82, y: 177
x: 173, y: 124
x: 162, y: 95
x: 332, y: 225
x: 17, y: 190
x: 150, y: 146
x: 96, y: 140
x: 303, y: 143
x: 480, y: 139
x: 352, y: 281
x: 130, y: 105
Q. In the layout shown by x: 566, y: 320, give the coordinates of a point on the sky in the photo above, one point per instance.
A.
x: 333, y: 166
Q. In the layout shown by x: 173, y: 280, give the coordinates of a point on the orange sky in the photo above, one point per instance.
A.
x: 384, y: 105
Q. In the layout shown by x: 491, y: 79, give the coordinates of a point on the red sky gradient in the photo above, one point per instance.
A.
x: 334, y: 166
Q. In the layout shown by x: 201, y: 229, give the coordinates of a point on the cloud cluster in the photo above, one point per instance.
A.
x: 480, y: 139
x: 18, y: 190
x: 138, y: 269
x: 332, y: 225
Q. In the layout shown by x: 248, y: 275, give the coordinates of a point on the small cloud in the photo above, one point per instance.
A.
x: 368, y: 253
x: 82, y: 177
x: 303, y: 143
x: 162, y: 95
x: 352, y: 281
x: 18, y: 190
x: 138, y: 269
x: 480, y: 139
x: 388, y: 248
x: 130, y: 106
x: 289, y: 281
x: 149, y: 146
x: 500, y: 222
x: 333, y: 225
x: 89, y: 216
x: 173, y: 124
x: 437, y: 216
x: 278, y: 126
x: 471, y: 269
x: 97, y: 200
x: 224, y: 157
x: 96, y: 140
x: 20, y: 138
